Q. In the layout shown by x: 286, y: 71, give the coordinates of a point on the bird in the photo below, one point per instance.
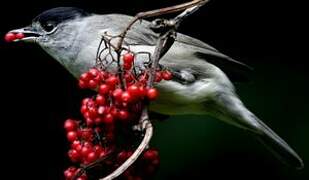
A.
x: 202, y: 81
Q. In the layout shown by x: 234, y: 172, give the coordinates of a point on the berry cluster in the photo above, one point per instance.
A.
x: 9, y: 37
x: 108, y: 120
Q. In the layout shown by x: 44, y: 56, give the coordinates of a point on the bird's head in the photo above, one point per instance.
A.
x: 55, y: 30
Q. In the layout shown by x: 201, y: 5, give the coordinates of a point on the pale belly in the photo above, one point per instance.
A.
x: 179, y: 99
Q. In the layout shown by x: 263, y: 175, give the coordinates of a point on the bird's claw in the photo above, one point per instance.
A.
x: 161, y: 25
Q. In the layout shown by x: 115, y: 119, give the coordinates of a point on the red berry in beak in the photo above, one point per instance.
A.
x: 19, y: 35
x: 9, y: 37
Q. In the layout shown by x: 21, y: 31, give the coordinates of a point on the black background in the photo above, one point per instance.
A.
x: 38, y: 94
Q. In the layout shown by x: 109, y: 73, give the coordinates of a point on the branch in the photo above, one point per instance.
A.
x: 158, y: 12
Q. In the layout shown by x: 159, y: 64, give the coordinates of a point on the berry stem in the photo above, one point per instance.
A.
x: 120, y: 71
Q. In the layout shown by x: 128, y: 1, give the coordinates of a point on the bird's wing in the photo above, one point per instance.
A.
x: 140, y: 33
x: 235, y: 70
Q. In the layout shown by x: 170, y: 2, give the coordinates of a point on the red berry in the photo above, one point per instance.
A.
x: 88, y: 144
x: 89, y: 122
x: 84, y: 77
x: 108, y: 118
x: 117, y: 94
x: 19, y: 35
x: 70, y: 125
x: 103, y: 75
x: 91, y: 103
x: 100, y: 100
x: 86, y: 150
x: 151, y: 155
x: 92, y: 156
x: 97, y: 79
x: 75, y: 144
x: 127, y: 66
x: 9, y: 37
x: 126, y: 97
x: 72, y: 136
x: 167, y: 75
x: 78, y: 148
x: 142, y: 91
x: 68, y: 174
x: 94, y: 72
x: 123, y: 115
x: 102, y: 154
x: 98, y: 149
x: 85, y: 101
x: 128, y: 58
x: 92, y: 112
x: 114, y: 111
x: 83, y: 109
x: 101, y: 110
x: 82, y: 84
x: 112, y: 81
x: 86, y: 114
x: 152, y: 94
x: 158, y: 77
x: 92, y: 84
x: 134, y: 91
x: 104, y: 89
x: 74, y: 155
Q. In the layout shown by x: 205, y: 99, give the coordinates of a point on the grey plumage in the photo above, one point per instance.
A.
x: 202, y: 84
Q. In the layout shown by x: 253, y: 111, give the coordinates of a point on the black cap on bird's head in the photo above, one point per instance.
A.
x: 46, y: 23
x: 59, y: 15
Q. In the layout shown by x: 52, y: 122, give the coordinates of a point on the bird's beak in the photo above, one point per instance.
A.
x: 26, y: 34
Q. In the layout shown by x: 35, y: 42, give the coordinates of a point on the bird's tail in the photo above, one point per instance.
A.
x: 230, y: 109
x: 279, y: 147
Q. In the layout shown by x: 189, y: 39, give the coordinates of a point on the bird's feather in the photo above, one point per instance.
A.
x: 229, y: 108
x: 141, y: 34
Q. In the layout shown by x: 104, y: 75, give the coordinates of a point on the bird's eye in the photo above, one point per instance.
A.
x: 48, y: 27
